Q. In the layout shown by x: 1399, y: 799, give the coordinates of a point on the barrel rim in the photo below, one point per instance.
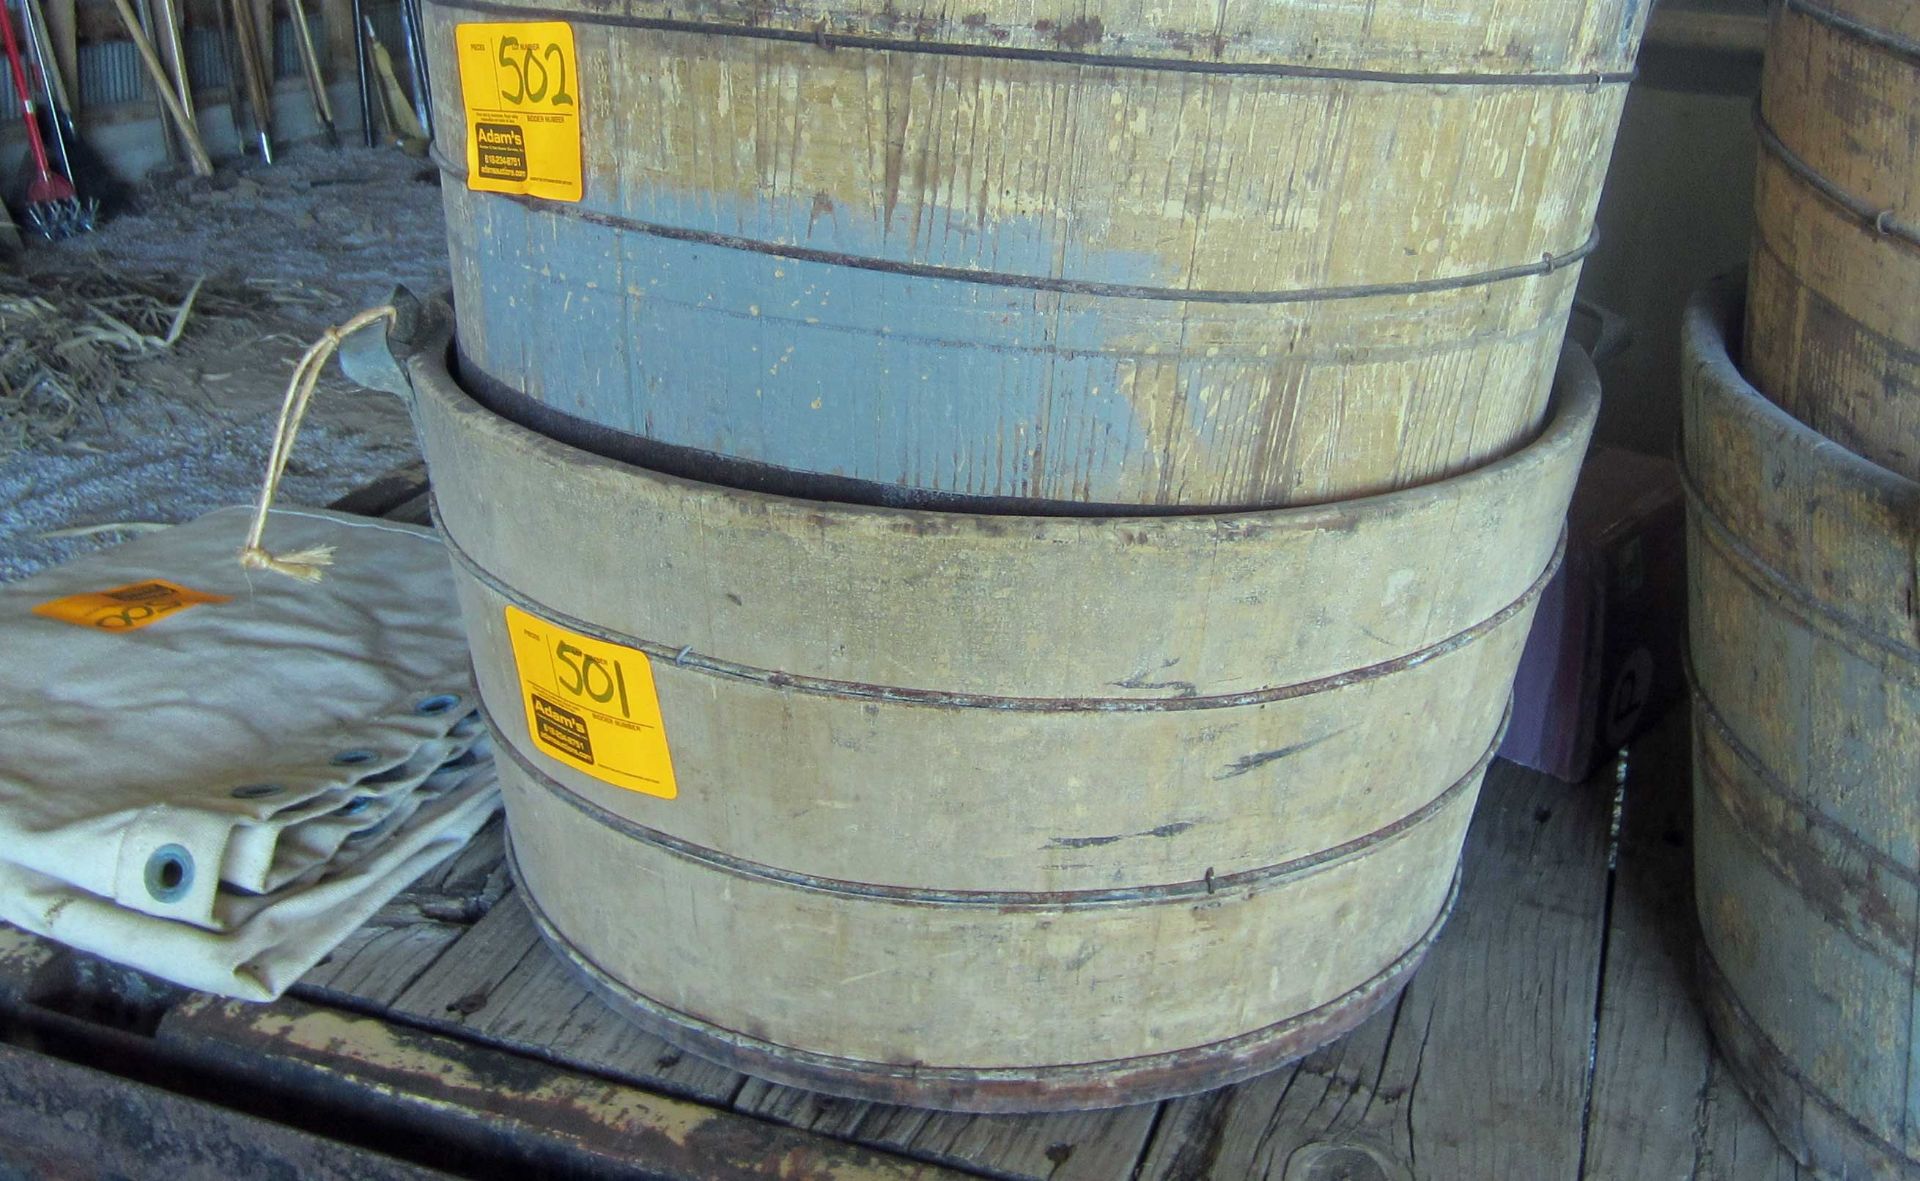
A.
x: 1010, y: 1090
x: 1886, y: 504
x: 1572, y: 409
x: 1712, y: 327
x: 1045, y: 43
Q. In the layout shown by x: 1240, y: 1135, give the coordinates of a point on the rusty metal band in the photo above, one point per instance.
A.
x: 824, y: 39
x: 1262, y: 878
x: 1880, y: 221
x: 687, y: 658
x: 1858, y: 30
x: 1804, y: 852
x: 1001, y: 1089
x: 1899, y: 661
x: 1765, y: 1071
x: 1549, y: 262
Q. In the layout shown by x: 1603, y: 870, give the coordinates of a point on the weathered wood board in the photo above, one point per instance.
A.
x: 1492, y: 1035
x: 1479, y: 1071
x: 1664, y: 1107
x: 501, y: 985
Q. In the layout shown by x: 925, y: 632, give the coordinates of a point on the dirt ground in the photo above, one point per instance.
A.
x: 302, y: 244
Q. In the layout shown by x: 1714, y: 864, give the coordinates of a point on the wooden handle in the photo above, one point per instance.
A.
x: 246, y: 37
x: 310, y: 63
x: 196, y: 151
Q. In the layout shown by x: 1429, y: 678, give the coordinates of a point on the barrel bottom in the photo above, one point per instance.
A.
x: 1817, y: 1132
x: 1083, y: 1087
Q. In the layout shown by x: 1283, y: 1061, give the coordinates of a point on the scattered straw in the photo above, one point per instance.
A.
x: 68, y: 343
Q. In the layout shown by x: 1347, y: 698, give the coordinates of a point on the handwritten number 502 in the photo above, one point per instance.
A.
x: 540, y: 69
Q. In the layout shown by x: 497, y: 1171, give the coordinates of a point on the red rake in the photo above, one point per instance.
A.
x: 53, y: 208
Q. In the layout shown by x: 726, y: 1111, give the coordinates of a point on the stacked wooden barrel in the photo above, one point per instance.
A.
x: 1805, y: 574
x: 997, y: 539
x: 1833, y: 314
x: 1119, y: 255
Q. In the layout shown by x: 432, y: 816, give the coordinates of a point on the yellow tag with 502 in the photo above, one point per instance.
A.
x: 522, y: 94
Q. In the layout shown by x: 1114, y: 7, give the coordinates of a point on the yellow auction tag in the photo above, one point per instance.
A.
x: 126, y: 608
x: 523, y: 108
x: 592, y: 705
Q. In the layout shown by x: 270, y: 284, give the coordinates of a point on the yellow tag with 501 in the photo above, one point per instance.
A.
x: 592, y: 705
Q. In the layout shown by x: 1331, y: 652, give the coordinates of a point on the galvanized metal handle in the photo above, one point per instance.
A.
x: 380, y: 362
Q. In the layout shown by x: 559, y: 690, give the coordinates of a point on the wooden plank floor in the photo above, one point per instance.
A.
x: 1553, y: 1033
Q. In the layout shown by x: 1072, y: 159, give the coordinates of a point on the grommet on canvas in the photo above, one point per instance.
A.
x: 256, y: 791
x: 169, y: 873
x: 353, y: 758
x: 354, y: 806
x: 439, y: 703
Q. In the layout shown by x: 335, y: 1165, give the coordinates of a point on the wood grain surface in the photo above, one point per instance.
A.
x: 1804, y: 561
x: 1833, y: 320
x: 937, y: 261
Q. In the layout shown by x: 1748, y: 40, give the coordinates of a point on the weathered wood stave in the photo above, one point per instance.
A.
x: 1833, y: 316
x: 1804, y: 561
x: 927, y: 782
x: 949, y: 308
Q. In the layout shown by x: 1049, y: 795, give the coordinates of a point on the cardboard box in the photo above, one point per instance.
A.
x: 1604, y: 659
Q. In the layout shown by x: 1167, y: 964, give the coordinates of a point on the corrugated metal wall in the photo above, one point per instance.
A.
x: 111, y: 73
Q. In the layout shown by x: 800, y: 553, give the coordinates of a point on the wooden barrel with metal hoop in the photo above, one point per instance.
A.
x: 988, y: 811
x: 1806, y: 667
x: 1833, y: 317
x: 1027, y: 255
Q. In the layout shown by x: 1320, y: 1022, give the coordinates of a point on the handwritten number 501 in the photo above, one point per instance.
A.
x: 590, y: 676
x: 538, y: 68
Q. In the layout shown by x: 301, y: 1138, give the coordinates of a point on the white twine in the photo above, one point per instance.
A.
x: 308, y: 565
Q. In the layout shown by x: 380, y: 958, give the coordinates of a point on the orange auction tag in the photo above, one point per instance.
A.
x: 126, y: 608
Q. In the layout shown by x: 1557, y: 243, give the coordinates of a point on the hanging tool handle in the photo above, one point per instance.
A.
x: 196, y: 151
x: 59, y: 121
x: 28, y: 114
x: 47, y: 61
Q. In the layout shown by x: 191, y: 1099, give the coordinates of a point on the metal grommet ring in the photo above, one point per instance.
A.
x: 256, y: 791
x: 169, y: 873
x: 353, y: 758
x: 354, y: 806
x: 439, y: 703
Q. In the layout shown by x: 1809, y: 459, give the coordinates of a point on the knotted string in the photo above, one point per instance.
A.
x: 309, y: 565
